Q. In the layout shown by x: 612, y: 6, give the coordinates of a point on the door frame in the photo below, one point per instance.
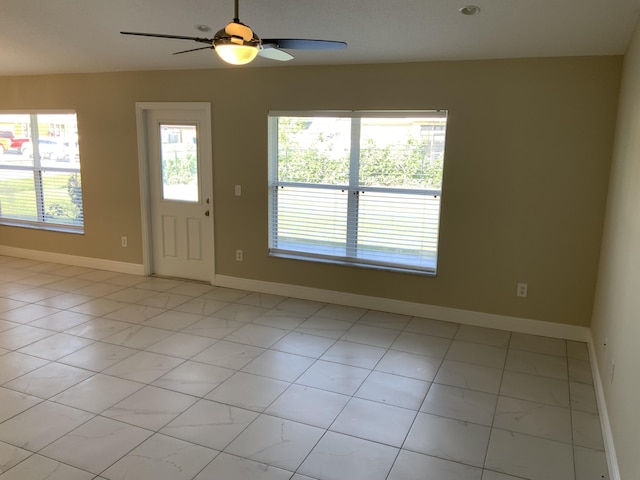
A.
x: 142, y: 108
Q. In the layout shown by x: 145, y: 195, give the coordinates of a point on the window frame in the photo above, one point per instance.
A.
x: 39, y: 170
x: 354, y: 188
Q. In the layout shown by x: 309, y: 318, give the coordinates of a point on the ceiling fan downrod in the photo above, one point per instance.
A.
x: 236, y: 14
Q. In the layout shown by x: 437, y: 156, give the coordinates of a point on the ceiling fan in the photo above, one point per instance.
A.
x: 238, y: 44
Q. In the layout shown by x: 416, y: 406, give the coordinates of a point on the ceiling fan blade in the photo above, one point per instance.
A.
x: 162, y: 35
x: 193, y: 50
x: 273, y: 53
x: 305, y: 44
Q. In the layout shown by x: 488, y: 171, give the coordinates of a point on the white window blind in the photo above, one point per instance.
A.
x: 361, y: 188
x: 40, y: 182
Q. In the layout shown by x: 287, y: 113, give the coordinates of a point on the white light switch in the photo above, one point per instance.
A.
x: 238, y: 190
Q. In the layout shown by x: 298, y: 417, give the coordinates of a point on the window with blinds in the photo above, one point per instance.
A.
x: 40, y: 182
x: 360, y: 188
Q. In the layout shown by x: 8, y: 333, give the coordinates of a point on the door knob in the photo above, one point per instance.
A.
x: 207, y: 213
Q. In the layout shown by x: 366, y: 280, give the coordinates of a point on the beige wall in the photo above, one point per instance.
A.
x: 616, y: 319
x: 526, y: 171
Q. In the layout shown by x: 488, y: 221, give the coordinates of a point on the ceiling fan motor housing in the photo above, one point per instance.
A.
x: 238, y: 33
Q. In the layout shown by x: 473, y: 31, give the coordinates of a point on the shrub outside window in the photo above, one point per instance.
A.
x: 360, y: 188
x: 40, y: 182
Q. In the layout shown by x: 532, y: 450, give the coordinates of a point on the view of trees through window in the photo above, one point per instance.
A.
x: 179, y: 152
x: 396, y: 152
x: 357, y: 188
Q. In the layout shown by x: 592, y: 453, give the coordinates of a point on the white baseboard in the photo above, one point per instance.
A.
x: 467, y: 317
x: 607, y: 434
x: 76, y: 261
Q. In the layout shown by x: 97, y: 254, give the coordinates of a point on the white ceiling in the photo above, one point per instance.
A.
x: 67, y: 36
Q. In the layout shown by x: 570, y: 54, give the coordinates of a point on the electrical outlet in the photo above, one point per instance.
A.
x: 123, y: 241
x: 239, y: 255
x: 522, y: 290
x: 238, y: 190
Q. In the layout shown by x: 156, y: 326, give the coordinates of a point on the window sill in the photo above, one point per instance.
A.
x: 335, y: 261
x: 43, y: 226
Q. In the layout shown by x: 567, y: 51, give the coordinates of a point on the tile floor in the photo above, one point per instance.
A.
x: 112, y: 376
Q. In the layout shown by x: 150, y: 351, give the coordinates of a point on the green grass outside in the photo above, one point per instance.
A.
x: 18, y: 199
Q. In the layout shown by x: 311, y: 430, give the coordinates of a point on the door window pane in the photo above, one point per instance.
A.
x: 179, y: 156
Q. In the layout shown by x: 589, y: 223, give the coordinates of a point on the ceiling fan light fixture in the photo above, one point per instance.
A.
x: 237, y: 44
x: 236, y: 54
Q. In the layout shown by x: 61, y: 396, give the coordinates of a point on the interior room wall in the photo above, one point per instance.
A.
x: 526, y: 171
x: 616, y: 320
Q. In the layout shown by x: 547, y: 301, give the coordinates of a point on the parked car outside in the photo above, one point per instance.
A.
x: 50, y: 149
x: 10, y: 143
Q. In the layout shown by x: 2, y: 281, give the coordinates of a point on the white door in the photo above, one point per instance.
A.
x: 178, y: 144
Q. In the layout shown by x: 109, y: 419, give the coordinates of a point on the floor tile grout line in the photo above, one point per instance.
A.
x: 53, y: 460
x: 404, y: 441
x: 209, y: 392
x: 39, y: 451
x: 96, y: 415
x: 203, y: 397
x: 495, y: 408
x: 176, y: 367
x: 533, y: 436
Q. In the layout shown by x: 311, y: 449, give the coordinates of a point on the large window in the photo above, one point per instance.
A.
x: 40, y: 184
x: 360, y: 188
